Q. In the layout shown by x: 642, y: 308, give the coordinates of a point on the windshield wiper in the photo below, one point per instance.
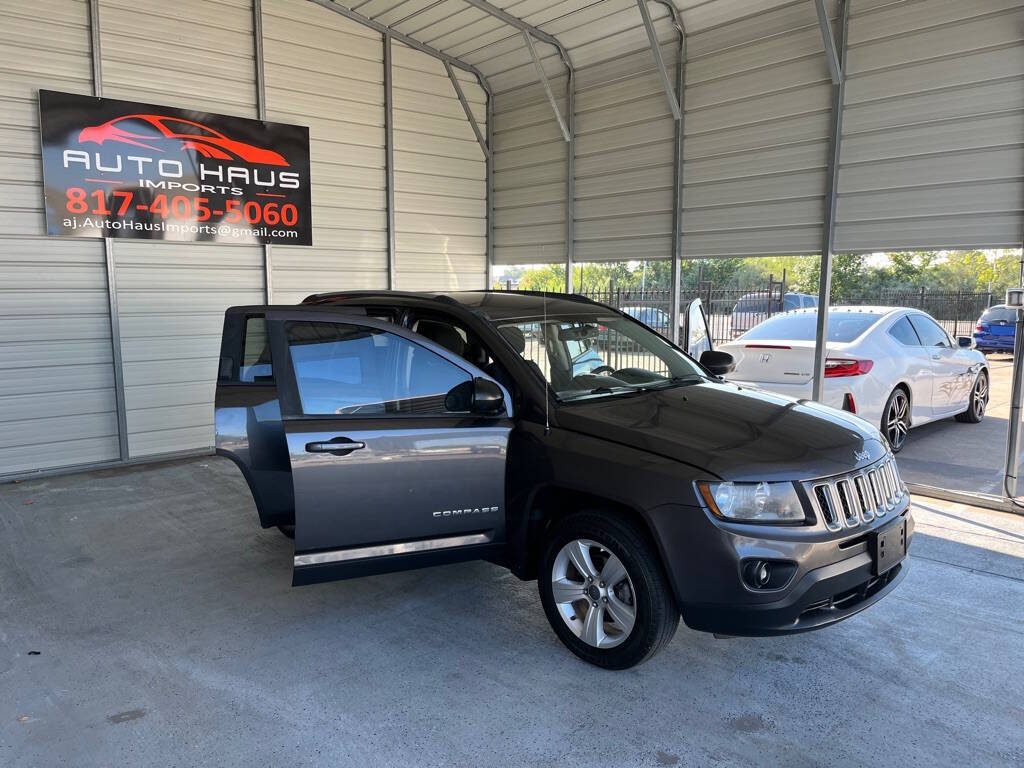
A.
x: 676, y: 381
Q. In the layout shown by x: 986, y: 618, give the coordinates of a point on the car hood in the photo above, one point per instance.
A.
x: 732, y: 432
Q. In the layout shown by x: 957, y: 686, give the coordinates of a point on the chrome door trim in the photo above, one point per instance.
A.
x: 383, y: 550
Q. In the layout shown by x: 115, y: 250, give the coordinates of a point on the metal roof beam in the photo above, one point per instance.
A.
x: 544, y: 82
x: 835, y: 67
x: 465, y: 108
x: 666, y: 81
x: 522, y: 26
x: 405, y: 40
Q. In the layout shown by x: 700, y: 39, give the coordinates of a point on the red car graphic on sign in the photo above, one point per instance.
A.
x: 159, y: 132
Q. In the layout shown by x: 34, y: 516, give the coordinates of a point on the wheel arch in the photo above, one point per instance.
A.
x: 905, y: 386
x: 552, y: 502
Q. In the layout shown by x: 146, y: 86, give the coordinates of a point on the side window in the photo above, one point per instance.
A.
x: 256, y: 364
x: 929, y: 331
x: 343, y: 369
x: 810, y: 301
x: 791, y: 302
x: 904, y: 333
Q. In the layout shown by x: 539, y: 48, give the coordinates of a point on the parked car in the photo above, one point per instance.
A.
x: 754, y: 308
x: 399, y: 430
x: 896, y: 368
x: 996, y: 329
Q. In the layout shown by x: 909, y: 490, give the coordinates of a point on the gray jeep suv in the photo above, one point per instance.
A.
x: 387, y: 431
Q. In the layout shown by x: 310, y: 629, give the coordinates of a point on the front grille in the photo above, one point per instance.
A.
x: 848, y: 501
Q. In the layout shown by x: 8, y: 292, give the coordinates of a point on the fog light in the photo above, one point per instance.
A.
x: 762, y: 574
x: 768, y: 574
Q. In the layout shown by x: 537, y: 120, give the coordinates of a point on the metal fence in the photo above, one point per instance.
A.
x: 733, y: 310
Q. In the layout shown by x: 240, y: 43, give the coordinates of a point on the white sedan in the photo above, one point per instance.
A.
x: 897, y: 368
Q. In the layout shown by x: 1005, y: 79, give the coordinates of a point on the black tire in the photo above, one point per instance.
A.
x: 978, y: 403
x: 287, y: 530
x: 656, y: 612
x: 896, y: 419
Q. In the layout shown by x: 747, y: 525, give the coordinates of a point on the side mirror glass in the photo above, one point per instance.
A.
x: 964, y: 342
x: 719, y: 363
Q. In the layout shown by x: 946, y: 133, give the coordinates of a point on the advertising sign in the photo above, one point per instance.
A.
x: 123, y: 169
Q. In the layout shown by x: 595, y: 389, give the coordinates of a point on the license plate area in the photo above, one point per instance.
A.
x: 888, y: 547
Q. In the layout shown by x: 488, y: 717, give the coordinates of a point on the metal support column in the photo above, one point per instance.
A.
x: 838, y: 70
x: 1013, y: 431
x: 108, y: 253
x: 389, y: 159
x: 570, y: 179
x: 677, y: 160
x: 489, y: 192
x: 261, y: 113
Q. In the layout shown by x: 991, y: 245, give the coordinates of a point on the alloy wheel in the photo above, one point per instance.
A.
x: 897, y: 421
x: 980, y: 400
x: 593, y: 593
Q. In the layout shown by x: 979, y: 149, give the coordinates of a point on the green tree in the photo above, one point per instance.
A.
x: 848, y: 275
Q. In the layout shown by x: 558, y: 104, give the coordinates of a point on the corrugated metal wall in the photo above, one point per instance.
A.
x: 530, y: 162
x: 932, y: 131
x: 56, y: 373
x: 327, y: 72
x: 625, y: 141
x: 172, y: 296
x: 758, y: 98
x: 440, y: 176
x: 931, y: 157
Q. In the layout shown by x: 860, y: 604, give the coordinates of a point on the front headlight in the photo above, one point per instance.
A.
x: 753, y: 502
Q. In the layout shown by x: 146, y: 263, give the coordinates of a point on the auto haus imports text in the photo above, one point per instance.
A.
x: 174, y: 169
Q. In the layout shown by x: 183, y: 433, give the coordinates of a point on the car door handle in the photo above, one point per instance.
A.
x: 339, y: 446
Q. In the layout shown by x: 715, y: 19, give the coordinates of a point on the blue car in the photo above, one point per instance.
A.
x: 995, y: 329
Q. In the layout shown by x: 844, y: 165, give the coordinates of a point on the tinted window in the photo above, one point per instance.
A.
x: 929, y: 331
x: 904, y: 333
x: 348, y: 369
x: 842, y: 326
x: 810, y: 301
x: 996, y: 314
x: 255, y: 351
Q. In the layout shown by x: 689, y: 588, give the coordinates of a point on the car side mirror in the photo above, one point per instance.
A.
x: 480, y: 396
x: 964, y: 342
x: 719, y: 363
x: 488, y: 399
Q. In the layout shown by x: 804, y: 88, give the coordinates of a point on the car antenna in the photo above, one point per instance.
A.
x: 547, y: 357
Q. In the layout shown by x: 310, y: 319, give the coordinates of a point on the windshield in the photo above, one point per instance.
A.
x: 598, y: 356
x: 802, y: 326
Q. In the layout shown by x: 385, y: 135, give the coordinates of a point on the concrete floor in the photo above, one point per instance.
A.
x: 145, y: 619
x: 964, y: 457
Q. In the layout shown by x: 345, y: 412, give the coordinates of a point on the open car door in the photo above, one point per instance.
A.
x: 396, y: 446
x: 696, y: 335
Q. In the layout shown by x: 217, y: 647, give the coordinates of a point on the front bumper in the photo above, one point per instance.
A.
x: 823, y: 597
x: 832, y: 581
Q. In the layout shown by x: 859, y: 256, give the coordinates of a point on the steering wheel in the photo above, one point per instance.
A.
x: 603, y: 369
